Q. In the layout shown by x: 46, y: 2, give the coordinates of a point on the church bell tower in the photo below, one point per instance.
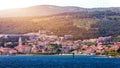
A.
x: 20, y: 41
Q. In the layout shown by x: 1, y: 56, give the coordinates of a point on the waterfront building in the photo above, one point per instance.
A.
x: 22, y: 48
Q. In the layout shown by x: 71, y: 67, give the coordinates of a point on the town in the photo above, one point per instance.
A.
x: 43, y: 42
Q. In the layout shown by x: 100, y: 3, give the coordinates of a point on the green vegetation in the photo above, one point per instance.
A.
x: 116, y: 39
x: 112, y: 53
x: 90, y: 43
x: 82, y: 25
x: 55, y: 48
x: 40, y: 53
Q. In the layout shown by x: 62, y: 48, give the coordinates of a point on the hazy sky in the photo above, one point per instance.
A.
x: 7, y: 4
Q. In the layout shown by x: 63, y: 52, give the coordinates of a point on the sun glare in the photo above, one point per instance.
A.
x: 8, y: 4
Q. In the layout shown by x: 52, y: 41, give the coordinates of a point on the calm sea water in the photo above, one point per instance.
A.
x: 53, y: 61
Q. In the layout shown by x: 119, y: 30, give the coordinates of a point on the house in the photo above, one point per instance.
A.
x: 12, y: 51
x: 23, y: 48
x: 34, y: 49
x: 68, y: 36
x: 6, y: 51
x: 102, y: 39
x: 114, y: 47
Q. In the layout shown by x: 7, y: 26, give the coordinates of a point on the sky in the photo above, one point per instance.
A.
x: 8, y: 4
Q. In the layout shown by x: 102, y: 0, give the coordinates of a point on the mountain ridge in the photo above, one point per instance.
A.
x: 42, y: 10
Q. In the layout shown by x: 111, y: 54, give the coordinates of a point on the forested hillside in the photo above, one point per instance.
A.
x: 79, y: 24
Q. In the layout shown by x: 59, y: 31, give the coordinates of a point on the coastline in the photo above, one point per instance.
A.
x: 61, y: 55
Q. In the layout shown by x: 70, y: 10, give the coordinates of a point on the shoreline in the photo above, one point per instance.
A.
x: 70, y: 54
x: 60, y: 55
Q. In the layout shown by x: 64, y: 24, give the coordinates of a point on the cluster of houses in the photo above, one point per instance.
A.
x: 44, y: 43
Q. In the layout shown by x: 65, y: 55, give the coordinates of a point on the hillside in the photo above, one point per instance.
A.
x: 41, y: 10
x: 79, y: 24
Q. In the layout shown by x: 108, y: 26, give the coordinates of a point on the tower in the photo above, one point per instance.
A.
x: 39, y: 32
x: 20, y: 41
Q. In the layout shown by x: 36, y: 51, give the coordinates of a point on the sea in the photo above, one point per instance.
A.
x: 58, y: 61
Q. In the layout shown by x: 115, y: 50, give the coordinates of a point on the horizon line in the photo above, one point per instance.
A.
x: 55, y: 5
